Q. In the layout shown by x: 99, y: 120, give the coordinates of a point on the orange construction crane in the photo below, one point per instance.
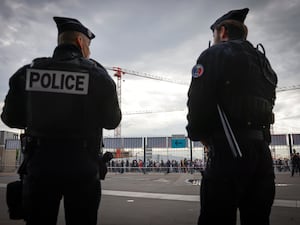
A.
x: 119, y: 72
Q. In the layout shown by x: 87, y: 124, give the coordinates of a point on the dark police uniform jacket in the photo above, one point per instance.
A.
x: 239, y: 78
x: 66, y: 97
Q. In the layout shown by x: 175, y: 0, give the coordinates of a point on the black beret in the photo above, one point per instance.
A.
x: 238, y: 15
x: 70, y: 24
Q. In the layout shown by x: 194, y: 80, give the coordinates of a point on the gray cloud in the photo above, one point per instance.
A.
x: 163, y: 38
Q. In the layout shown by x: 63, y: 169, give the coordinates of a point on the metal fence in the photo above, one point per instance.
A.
x: 158, y: 154
x: 177, y: 148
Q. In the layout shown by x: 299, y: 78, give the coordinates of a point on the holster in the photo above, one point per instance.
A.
x: 14, y: 190
x: 14, y: 200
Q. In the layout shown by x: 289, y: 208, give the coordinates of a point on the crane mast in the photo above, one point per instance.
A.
x: 118, y: 73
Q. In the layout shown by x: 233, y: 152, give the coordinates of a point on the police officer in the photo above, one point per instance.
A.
x: 62, y: 102
x: 230, y: 102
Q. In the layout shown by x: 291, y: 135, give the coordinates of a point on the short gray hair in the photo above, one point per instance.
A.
x: 68, y: 37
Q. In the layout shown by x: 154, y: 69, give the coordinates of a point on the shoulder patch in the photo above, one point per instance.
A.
x: 197, y: 71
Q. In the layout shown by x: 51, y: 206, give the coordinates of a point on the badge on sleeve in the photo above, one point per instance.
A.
x: 197, y: 70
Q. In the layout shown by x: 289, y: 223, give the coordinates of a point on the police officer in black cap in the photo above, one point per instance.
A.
x: 62, y: 102
x: 230, y: 102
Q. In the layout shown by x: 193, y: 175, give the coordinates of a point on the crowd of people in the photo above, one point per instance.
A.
x: 168, y: 166
x: 291, y: 165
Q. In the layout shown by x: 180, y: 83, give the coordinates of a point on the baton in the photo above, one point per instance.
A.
x: 235, y: 149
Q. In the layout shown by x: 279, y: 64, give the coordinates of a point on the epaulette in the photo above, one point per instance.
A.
x: 97, y: 64
x: 38, y: 61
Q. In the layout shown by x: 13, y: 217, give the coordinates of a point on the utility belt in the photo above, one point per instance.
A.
x: 258, y: 135
x: 31, y: 142
x: 31, y: 145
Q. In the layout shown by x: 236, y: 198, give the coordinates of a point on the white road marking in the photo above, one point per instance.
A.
x: 189, y: 198
x: 177, y: 197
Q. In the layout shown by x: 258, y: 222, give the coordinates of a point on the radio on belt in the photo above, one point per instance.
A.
x: 57, y: 81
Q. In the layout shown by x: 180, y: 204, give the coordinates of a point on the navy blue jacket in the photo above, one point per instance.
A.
x: 59, y: 109
x: 239, y: 78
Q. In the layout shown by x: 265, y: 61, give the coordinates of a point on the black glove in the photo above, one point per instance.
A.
x: 107, y: 157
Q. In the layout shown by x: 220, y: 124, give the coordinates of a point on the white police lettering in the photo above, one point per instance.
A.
x: 57, y: 81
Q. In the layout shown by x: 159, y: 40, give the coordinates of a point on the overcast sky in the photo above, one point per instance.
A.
x: 163, y: 38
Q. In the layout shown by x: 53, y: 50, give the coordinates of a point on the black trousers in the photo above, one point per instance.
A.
x: 61, y: 172
x: 245, y: 184
x: 295, y: 168
x: 42, y: 199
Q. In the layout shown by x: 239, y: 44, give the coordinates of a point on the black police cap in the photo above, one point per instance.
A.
x: 70, y: 24
x: 238, y: 15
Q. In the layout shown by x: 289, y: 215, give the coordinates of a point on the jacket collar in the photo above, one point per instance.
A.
x: 66, y: 51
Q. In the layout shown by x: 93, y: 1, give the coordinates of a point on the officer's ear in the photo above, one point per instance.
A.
x: 223, y: 33
x: 83, y: 43
x: 79, y: 41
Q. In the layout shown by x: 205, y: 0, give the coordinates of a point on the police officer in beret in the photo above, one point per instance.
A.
x: 230, y: 103
x: 62, y: 102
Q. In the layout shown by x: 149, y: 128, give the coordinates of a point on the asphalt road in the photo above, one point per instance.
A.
x: 163, y: 199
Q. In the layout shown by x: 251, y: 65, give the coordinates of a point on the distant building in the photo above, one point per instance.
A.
x: 4, y: 135
x: 9, y: 151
